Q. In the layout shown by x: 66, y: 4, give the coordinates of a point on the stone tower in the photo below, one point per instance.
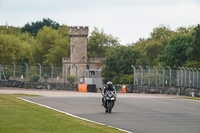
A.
x: 78, y: 44
x: 78, y: 54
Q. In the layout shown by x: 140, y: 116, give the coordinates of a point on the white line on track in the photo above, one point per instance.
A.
x: 72, y: 115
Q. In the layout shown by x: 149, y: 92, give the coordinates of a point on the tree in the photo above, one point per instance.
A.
x: 15, y: 46
x: 185, y: 30
x: 175, y: 53
x: 152, y: 50
x: 34, y: 27
x: 10, y: 30
x: 51, y: 45
x: 45, y: 41
x: 118, y: 63
x: 193, y: 64
x: 12, y: 49
x: 152, y: 47
x: 61, y: 48
x: 162, y: 34
x: 99, y: 43
x: 126, y: 79
x: 195, y: 48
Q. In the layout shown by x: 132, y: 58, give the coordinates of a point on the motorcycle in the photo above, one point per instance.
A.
x: 109, y: 99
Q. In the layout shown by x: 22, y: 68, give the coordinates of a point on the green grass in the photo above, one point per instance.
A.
x: 17, y: 116
x: 195, y: 98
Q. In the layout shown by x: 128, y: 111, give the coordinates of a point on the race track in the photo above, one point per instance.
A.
x: 138, y: 115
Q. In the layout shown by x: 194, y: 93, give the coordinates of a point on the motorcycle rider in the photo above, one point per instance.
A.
x: 109, y: 87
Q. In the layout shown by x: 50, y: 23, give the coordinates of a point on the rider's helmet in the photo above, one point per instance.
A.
x: 109, y: 84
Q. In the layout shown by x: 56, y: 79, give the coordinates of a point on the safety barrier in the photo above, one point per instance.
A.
x: 127, y: 89
x: 123, y: 88
x: 87, y: 88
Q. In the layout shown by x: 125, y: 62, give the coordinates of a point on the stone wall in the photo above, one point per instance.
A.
x: 165, y: 90
x: 37, y: 85
x: 78, y: 49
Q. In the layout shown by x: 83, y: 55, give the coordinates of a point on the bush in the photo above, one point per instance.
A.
x: 45, y: 76
x: 71, y: 79
x: 8, y: 72
x: 193, y: 64
x: 126, y: 79
x: 35, y: 77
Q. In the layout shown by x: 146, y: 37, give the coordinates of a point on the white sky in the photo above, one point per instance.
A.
x: 128, y: 20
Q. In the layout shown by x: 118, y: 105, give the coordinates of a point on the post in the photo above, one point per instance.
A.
x: 185, y: 76
x: 148, y: 75
x: 134, y: 75
x: 181, y: 75
x: 192, y: 77
x: 177, y: 73
x: 163, y: 76
x: 26, y: 71
x: 170, y: 74
x: 197, y: 77
x: 141, y: 73
x: 40, y: 71
x: 0, y: 71
x: 51, y: 72
x: 76, y: 77
x: 14, y: 70
x: 189, y: 76
x: 156, y: 76
x: 64, y: 73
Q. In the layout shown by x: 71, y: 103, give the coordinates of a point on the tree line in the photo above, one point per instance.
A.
x: 47, y: 42
x: 164, y: 47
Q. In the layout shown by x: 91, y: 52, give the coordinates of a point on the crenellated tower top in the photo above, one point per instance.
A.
x: 78, y: 31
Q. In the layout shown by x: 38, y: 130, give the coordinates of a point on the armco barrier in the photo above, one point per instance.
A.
x: 87, y: 88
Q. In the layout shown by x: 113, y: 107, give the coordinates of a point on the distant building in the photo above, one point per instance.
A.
x: 86, y: 68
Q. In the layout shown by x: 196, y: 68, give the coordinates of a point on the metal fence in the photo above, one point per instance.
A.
x: 45, y: 77
x: 165, y: 80
x: 166, y: 77
x: 26, y: 73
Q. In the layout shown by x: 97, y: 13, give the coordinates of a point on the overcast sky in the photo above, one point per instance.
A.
x: 128, y: 20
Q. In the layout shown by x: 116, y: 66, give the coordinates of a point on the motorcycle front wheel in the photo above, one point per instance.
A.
x: 106, y: 110
x: 109, y: 106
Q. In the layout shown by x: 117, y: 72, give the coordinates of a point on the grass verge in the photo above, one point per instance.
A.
x: 195, y: 98
x: 17, y: 116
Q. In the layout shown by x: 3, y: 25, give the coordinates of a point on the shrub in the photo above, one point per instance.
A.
x: 71, y: 79
x: 193, y: 64
x: 8, y: 72
x: 126, y: 79
x: 45, y: 76
x: 35, y: 77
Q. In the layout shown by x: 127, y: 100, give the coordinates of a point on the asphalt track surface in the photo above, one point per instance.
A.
x: 138, y: 115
